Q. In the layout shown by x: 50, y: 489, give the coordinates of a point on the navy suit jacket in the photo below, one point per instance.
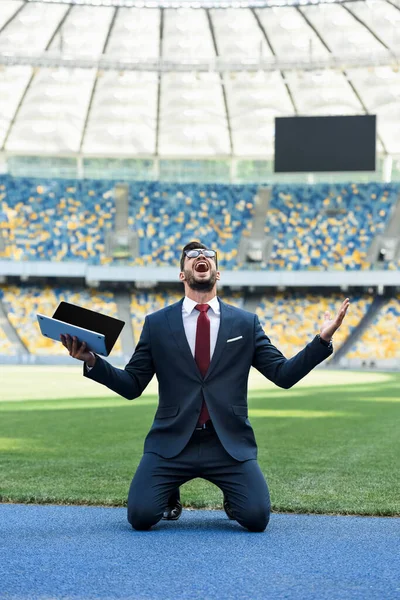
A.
x: 163, y: 350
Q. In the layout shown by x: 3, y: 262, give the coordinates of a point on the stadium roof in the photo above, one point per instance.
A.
x: 96, y: 77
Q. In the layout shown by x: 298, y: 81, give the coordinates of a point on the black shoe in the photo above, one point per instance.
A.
x: 228, y: 510
x: 172, y: 513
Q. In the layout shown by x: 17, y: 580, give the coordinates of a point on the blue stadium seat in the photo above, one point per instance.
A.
x: 68, y: 220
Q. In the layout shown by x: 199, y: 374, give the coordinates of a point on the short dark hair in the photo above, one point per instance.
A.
x: 193, y: 246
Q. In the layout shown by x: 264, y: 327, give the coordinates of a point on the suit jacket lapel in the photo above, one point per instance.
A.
x: 225, y: 326
x: 174, y: 316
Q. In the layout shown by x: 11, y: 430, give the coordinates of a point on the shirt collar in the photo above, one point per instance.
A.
x: 188, y: 305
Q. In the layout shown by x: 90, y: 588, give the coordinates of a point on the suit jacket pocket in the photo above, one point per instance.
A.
x: 167, y: 411
x: 240, y: 410
x: 235, y: 342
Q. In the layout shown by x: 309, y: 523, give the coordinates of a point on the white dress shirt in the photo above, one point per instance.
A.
x: 190, y: 316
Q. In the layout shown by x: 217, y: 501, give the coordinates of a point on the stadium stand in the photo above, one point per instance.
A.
x: 380, y: 339
x: 6, y: 347
x: 168, y: 215
x: 306, y: 236
x: 68, y: 220
x: 23, y: 303
x: 144, y: 303
x: 291, y: 319
x: 55, y: 219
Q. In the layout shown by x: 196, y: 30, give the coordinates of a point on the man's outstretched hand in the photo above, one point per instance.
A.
x: 78, y: 350
x: 331, y: 325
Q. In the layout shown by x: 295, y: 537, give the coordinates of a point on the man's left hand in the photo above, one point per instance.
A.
x: 331, y: 325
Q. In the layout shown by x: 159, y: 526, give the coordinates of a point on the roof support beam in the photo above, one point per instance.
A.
x: 31, y: 78
x: 285, y: 83
x: 13, y: 16
x: 393, y: 4
x: 89, y: 108
x: 160, y: 53
x: 314, y: 29
x: 228, y: 120
x: 378, y: 39
x: 347, y: 79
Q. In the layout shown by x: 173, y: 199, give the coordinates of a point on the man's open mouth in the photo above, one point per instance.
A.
x: 201, y: 266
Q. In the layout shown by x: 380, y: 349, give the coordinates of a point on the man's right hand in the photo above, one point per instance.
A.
x: 78, y: 350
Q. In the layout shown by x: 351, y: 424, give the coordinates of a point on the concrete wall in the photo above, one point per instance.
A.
x: 246, y: 278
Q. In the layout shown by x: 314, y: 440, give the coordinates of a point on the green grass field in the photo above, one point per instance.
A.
x: 328, y: 445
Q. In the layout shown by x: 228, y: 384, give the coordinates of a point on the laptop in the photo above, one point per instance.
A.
x: 100, y: 332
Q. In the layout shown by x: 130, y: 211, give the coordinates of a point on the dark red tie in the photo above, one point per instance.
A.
x: 202, y: 350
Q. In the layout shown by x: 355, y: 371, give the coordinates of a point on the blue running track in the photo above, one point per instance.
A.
x: 85, y: 553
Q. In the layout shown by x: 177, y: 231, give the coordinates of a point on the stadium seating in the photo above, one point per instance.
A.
x: 144, y: 303
x: 381, y: 338
x: 292, y: 319
x: 55, y: 219
x: 68, y: 220
x: 167, y: 216
x: 23, y: 303
x: 306, y: 236
x: 6, y: 347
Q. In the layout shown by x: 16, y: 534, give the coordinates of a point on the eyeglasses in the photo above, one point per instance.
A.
x: 196, y: 253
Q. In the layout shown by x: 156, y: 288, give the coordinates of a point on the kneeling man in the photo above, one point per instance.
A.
x: 201, y: 350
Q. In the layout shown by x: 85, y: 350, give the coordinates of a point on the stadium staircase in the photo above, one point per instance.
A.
x: 389, y: 241
x: 123, y: 302
x: 358, y: 331
x: 10, y: 332
x: 121, y: 242
x: 258, y: 246
x: 251, y: 303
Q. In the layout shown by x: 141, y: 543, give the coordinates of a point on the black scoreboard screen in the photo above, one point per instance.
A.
x: 345, y: 143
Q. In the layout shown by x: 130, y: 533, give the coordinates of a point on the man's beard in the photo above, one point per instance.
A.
x: 200, y: 286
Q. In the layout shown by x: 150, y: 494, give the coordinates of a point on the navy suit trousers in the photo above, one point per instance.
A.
x: 157, y: 478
